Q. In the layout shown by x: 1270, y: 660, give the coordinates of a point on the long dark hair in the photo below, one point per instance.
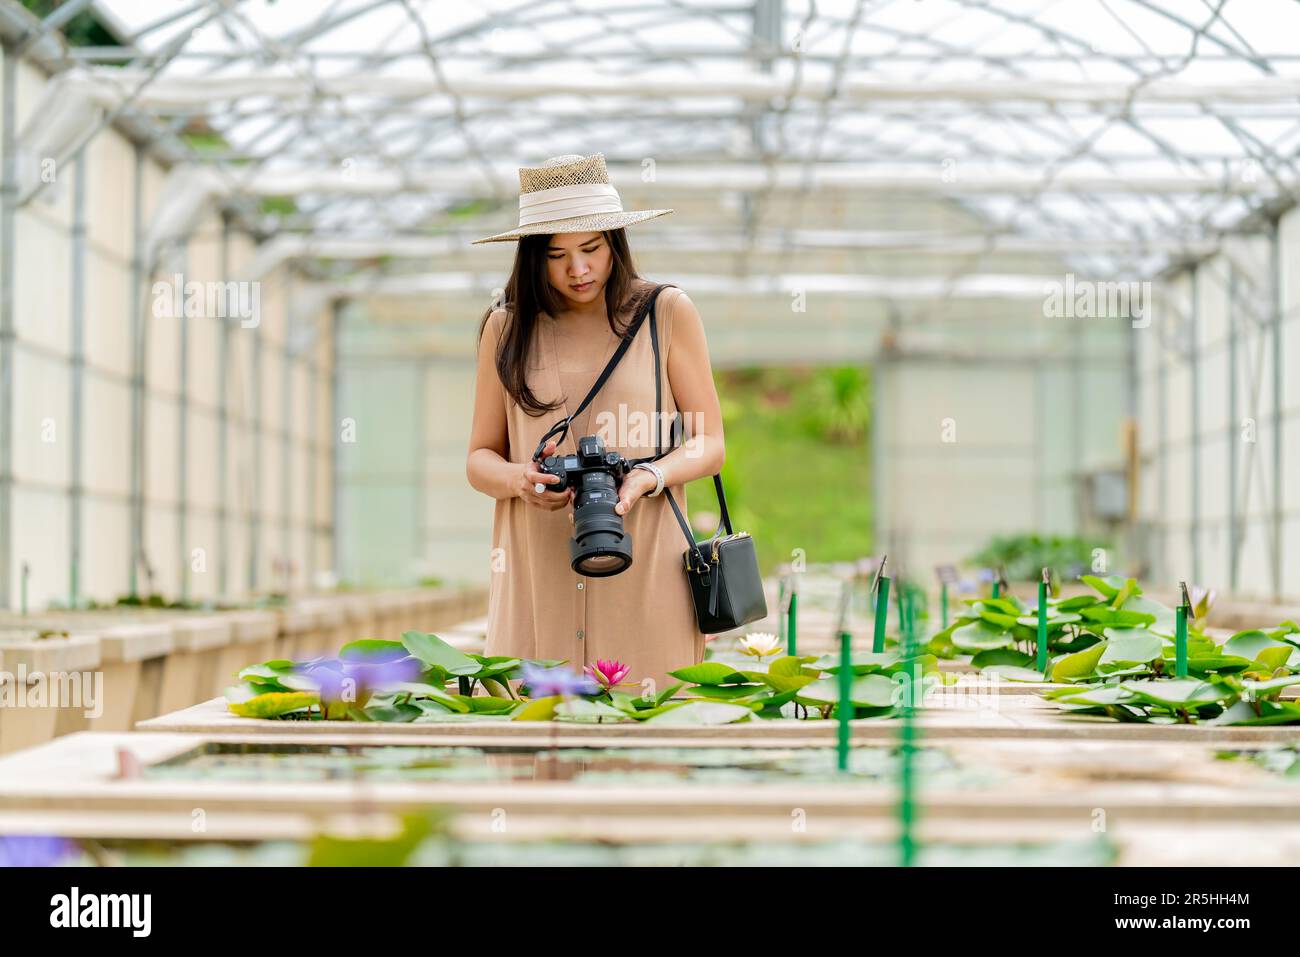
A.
x: 528, y: 293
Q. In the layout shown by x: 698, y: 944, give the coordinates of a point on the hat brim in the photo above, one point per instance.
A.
x: 597, y: 222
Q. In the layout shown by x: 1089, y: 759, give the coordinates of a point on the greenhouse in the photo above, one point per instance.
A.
x: 349, y: 349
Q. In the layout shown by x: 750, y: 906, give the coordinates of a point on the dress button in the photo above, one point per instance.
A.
x: 581, y: 586
x: 579, y: 632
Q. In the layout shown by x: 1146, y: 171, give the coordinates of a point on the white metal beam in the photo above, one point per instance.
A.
x: 181, y: 92
x: 988, y: 286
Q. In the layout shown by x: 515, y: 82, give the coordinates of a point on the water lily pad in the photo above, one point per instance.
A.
x: 1179, y: 693
x: 868, y: 691
x: 980, y: 636
x: 1078, y: 665
x: 1249, y: 644
x: 703, y: 713
x: 1127, y: 646
x: 710, y: 673
x: 1015, y: 673
x: 273, y: 704
x: 728, y: 692
x: 1095, y: 695
x: 1270, y: 712
x: 580, y: 709
x: 432, y: 650
x: 1000, y: 656
x: 1103, y: 615
x: 539, y: 709
x: 373, y: 649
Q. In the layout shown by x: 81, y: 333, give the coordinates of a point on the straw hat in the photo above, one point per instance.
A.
x: 570, y: 194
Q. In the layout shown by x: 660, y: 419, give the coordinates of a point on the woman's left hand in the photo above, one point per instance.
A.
x: 635, y: 484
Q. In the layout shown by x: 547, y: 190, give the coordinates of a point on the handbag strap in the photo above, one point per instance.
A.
x: 561, y: 429
x: 700, y: 560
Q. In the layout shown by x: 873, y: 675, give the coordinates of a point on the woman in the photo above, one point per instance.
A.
x: 571, y: 295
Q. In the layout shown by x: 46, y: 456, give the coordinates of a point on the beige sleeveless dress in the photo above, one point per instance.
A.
x: 538, y: 607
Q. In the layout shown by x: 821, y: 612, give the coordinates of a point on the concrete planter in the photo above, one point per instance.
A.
x: 330, y: 625
x: 199, y: 646
x: 360, y: 619
x: 253, y: 638
x: 1012, y: 717
x: 80, y: 772
x: 296, y: 638
x: 134, y: 658
x: 67, y: 665
x: 390, y: 614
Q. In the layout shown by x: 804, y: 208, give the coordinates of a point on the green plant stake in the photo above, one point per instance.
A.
x: 791, y: 641
x: 943, y: 605
x: 907, y: 754
x: 1042, y: 624
x: 1180, y: 634
x: 881, y: 591
x: 845, y: 710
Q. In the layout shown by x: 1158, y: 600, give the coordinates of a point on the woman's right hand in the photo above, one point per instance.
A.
x: 528, y: 479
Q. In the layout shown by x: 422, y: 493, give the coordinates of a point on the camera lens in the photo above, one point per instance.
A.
x: 599, y: 547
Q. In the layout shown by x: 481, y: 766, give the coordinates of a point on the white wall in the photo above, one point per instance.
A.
x: 1200, y: 483
x: 188, y: 503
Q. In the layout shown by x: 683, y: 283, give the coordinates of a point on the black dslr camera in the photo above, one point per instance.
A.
x: 599, y: 547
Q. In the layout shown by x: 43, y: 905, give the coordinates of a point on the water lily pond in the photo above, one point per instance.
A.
x: 233, y: 761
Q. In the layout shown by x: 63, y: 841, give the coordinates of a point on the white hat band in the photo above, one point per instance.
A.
x: 564, y: 202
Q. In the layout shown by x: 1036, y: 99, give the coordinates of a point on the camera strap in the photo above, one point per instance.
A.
x: 561, y: 429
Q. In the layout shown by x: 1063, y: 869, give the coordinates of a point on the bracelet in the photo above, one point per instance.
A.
x: 657, y: 472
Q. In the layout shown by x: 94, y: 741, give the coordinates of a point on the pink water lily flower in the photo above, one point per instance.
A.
x: 607, y: 673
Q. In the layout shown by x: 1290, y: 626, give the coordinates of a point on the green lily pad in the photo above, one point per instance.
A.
x: 980, y: 636
x: 1015, y: 672
x: 373, y: 649
x: 1127, y: 646
x: 1078, y: 665
x: 867, y: 691
x: 727, y: 692
x: 1000, y: 656
x: 539, y: 709
x: 703, y: 713
x: 432, y: 650
x: 273, y: 704
x: 580, y: 709
x: 1075, y: 603
x: 710, y: 673
x: 1110, y: 617
x: 1249, y: 644
x: 1095, y: 695
x: 1270, y: 712
x: 1179, y: 693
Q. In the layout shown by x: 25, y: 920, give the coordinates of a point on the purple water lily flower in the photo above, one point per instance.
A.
x: 353, y: 682
x: 547, y: 682
x: 34, y: 850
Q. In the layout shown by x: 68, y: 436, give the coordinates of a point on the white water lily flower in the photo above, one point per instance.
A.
x: 760, y: 643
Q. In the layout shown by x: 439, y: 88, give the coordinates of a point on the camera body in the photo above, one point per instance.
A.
x: 591, y: 458
x: 600, y: 547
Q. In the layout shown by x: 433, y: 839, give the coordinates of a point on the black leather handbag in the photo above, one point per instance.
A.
x: 726, y: 585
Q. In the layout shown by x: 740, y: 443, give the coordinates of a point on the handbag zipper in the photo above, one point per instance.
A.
x: 717, y: 542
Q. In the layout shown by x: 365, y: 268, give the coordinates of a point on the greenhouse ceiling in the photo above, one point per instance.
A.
x: 1121, y: 136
